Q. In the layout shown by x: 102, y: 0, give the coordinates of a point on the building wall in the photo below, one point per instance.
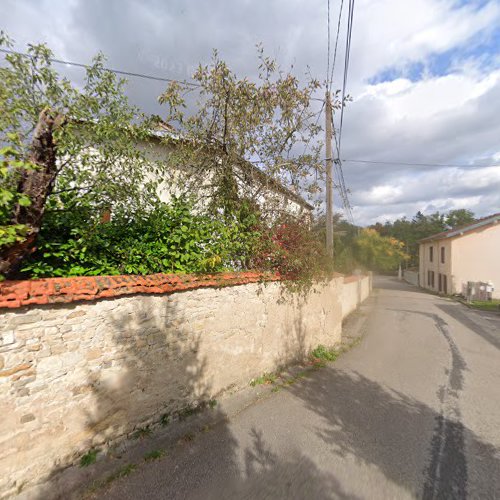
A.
x: 476, y: 257
x: 182, y: 180
x: 436, y: 265
x: 79, y: 375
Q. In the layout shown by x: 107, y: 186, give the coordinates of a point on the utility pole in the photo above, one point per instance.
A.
x: 329, y: 175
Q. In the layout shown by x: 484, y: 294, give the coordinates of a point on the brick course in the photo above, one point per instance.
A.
x: 15, y: 294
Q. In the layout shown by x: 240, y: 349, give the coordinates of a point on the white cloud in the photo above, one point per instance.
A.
x: 450, y: 118
x: 391, y: 33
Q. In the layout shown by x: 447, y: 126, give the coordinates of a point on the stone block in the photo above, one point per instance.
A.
x: 7, y: 338
x: 23, y: 318
x: 93, y: 353
x: 15, y: 369
x: 51, y: 330
x: 76, y: 314
x: 70, y: 359
x: 49, y: 364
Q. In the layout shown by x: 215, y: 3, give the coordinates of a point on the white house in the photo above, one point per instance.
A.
x: 451, y: 259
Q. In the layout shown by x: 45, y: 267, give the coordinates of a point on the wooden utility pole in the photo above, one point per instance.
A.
x: 329, y: 174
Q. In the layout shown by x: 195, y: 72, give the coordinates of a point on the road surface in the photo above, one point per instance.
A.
x: 413, y: 411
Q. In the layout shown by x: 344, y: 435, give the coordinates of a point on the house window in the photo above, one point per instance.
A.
x: 442, y: 255
x: 430, y: 279
x: 445, y: 284
x: 431, y: 254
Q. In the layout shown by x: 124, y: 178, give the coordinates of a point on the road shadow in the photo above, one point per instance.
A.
x: 374, y: 425
x: 269, y: 476
x: 360, y: 421
x: 463, y: 316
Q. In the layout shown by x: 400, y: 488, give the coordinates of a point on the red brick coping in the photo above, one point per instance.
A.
x: 15, y: 294
x: 353, y: 278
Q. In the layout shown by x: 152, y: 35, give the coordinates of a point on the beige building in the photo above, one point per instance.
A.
x: 450, y: 259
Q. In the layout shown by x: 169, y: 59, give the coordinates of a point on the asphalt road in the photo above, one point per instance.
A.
x: 413, y: 411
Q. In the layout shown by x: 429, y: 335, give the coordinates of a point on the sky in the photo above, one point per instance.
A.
x: 424, y: 77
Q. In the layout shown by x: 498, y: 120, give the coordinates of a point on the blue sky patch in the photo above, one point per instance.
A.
x: 484, y: 50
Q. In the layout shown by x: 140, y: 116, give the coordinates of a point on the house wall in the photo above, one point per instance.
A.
x: 250, y: 187
x: 436, y: 265
x: 476, y: 257
x: 77, y: 375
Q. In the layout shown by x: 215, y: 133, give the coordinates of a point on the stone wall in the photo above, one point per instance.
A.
x: 80, y: 374
x: 355, y: 290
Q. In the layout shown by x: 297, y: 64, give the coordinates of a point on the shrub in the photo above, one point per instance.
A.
x: 172, y: 239
x: 295, y: 252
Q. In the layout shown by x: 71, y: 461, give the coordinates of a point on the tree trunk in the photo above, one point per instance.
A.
x: 37, y: 184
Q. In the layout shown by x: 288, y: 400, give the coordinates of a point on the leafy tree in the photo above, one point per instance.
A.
x: 459, y: 217
x: 344, y: 237
x: 69, y: 154
x: 378, y: 252
x: 239, y: 123
x: 63, y: 147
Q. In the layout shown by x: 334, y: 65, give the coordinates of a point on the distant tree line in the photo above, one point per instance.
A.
x: 384, y: 247
x: 410, y: 231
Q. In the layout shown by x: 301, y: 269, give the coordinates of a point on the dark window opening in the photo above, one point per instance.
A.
x: 442, y: 255
x: 430, y: 279
x: 431, y: 254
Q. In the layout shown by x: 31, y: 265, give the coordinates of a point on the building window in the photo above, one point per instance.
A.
x: 442, y: 255
x: 431, y: 254
x: 430, y: 279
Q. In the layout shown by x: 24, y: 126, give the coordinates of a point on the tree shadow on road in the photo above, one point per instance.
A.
x: 457, y: 312
x: 373, y: 425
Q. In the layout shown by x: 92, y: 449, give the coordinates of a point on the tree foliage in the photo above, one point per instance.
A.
x: 379, y: 253
x: 64, y: 146
x: 410, y: 231
x: 239, y: 123
x: 170, y: 239
x: 70, y: 153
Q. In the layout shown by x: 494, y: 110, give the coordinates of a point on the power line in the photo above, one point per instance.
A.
x: 341, y: 184
x: 111, y: 70
x: 336, y: 45
x: 411, y: 164
x: 350, y: 17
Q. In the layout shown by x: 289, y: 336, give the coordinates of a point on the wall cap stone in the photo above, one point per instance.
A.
x: 19, y: 293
